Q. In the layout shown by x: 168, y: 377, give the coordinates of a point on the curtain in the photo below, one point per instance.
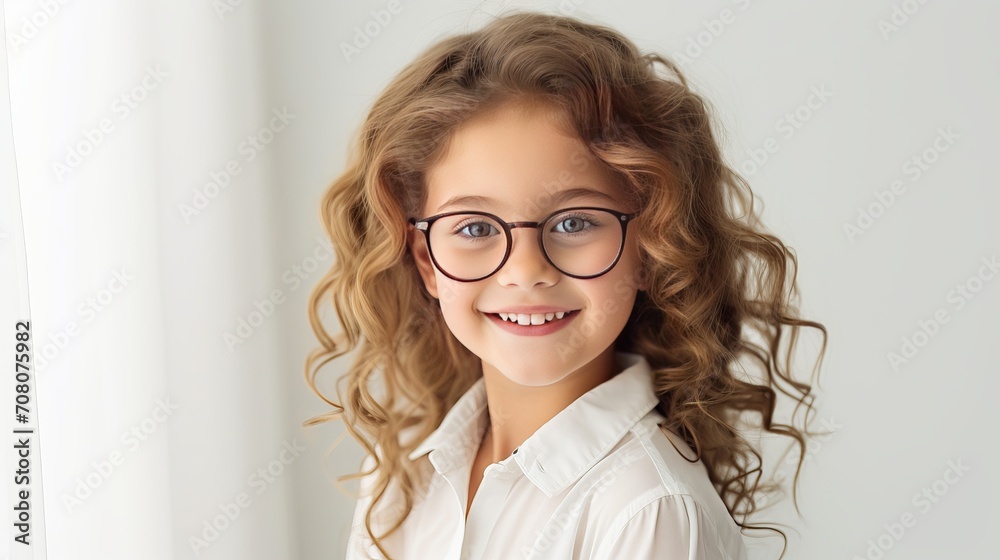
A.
x: 164, y: 284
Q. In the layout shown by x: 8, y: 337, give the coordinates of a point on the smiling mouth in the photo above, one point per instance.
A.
x: 533, y: 319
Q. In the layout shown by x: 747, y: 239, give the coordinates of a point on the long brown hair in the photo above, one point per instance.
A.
x: 721, y: 288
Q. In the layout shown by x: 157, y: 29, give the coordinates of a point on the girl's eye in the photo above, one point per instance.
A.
x: 575, y: 223
x: 476, y: 229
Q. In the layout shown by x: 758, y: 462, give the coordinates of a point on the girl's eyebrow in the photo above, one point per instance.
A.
x: 556, y: 197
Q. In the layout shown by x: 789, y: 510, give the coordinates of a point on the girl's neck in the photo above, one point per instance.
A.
x: 517, y: 411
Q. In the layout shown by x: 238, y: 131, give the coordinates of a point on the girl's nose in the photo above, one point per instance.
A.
x: 526, y: 264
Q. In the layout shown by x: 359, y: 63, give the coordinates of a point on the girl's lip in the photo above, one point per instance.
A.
x: 533, y: 330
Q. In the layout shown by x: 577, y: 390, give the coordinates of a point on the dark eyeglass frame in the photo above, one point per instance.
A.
x: 424, y: 225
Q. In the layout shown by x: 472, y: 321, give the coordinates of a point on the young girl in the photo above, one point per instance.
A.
x: 550, y: 275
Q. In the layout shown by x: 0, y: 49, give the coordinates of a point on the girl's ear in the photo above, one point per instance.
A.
x: 418, y: 248
x: 643, y: 278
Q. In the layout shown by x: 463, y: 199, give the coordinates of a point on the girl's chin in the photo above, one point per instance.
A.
x: 528, y: 374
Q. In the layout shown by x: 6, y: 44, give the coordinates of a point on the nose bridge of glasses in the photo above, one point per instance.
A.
x: 532, y: 235
x: 537, y: 256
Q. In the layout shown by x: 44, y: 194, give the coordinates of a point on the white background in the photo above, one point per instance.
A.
x: 161, y: 336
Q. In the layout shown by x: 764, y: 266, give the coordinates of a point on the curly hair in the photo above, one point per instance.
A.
x: 720, y: 287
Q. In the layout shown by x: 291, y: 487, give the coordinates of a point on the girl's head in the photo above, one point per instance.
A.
x: 520, y: 113
x: 520, y: 162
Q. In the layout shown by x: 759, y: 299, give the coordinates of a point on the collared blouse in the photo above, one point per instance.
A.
x: 598, y: 481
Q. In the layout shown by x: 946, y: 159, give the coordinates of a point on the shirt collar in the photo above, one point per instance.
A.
x: 566, y: 446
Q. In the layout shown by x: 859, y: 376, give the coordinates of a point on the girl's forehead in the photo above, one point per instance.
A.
x: 577, y: 195
x: 523, y: 196
x: 509, y: 164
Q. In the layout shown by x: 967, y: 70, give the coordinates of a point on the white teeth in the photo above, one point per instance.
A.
x: 532, y: 318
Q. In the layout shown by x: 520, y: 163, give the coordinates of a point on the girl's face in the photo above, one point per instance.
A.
x: 517, y: 163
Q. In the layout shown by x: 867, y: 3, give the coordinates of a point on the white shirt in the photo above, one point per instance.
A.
x: 599, y: 480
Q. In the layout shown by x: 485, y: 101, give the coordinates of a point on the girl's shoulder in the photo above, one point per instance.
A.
x: 653, y: 474
x: 653, y: 457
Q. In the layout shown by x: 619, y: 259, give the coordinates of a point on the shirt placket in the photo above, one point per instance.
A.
x: 454, y: 475
x: 487, y: 505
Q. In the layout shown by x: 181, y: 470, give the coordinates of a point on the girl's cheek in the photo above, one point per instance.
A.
x: 450, y: 291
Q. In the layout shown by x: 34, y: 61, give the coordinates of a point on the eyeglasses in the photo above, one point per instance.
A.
x: 581, y: 242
